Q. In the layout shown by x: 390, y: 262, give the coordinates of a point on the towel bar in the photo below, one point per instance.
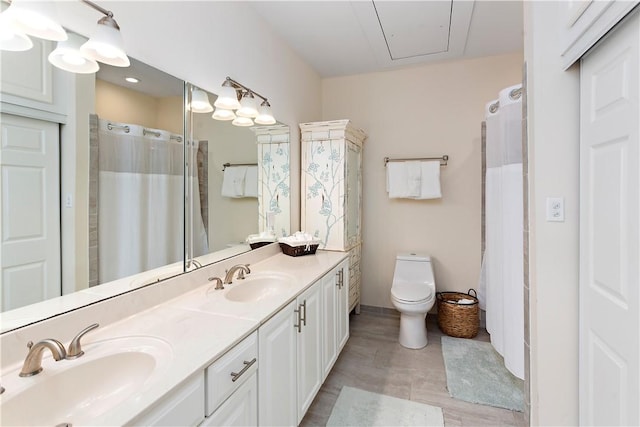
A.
x: 443, y: 160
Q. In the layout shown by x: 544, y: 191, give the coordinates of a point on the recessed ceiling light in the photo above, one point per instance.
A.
x: 132, y: 80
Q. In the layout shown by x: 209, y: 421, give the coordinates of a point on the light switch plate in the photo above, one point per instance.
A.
x: 555, y: 209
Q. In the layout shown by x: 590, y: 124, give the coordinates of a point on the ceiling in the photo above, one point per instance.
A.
x: 351, y: 37
x: 153, y: 82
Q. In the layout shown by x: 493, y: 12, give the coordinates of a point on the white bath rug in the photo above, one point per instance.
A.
x: 356, y: 407
x: 476, y: 373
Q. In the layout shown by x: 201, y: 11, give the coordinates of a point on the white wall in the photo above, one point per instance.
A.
x: 231, y: 220
x: 205, y: 41
x: 423, y: 111
x: 553, y: 132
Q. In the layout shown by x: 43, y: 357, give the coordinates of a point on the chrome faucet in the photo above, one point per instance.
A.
x: 33, y: 362
x: 195, y: 263
x: 75, y: 350
x: 218, y: 283
x: 242, y: 269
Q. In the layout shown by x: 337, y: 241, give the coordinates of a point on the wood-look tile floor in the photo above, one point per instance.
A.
x: 373, y: 360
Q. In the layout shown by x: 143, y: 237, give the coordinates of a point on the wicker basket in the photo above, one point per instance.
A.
x: 257, y: 245
x: 458, y: 320
x: 299, y: 250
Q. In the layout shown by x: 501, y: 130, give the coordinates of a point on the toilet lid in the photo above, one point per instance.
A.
x: 412, y: 292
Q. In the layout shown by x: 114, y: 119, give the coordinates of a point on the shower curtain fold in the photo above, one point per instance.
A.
x: 503, y: 257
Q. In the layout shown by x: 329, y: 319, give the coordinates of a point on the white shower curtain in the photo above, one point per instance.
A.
x: 503, y: 279
x: 140, y: 199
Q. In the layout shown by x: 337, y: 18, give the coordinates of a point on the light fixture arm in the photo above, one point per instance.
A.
x: 98, y: 8
x: 237, y: 85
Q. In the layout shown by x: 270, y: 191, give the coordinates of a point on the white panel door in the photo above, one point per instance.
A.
x: 30, y: 207
x: 610, y: 230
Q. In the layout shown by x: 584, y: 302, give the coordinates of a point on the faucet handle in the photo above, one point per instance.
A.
x: 75, y: 349
x: 218, y: 282
x: 244, y: 268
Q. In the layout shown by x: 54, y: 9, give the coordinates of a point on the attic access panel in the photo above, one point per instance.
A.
x: 415, y: 28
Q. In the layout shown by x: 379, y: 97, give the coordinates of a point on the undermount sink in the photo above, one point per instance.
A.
x: 79, y: 391
x: 259, y: 286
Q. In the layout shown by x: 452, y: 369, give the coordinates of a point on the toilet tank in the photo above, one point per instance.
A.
x: 413, y: 268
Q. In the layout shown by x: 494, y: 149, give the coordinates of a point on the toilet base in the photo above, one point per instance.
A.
x: 413, y: 330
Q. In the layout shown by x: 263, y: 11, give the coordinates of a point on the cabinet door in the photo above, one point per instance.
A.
x: 353, y: 194
x: 323, y: 192
x: 309, y: 348
x: 240, y: 409
x: 330, y: 294
x: 277, y: 374
x: 342, y: 305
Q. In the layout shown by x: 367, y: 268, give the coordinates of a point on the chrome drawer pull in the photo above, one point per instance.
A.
x: 299, y: 325
x: 304, y: 310
x: 247, y: 365
x: 340, y: 274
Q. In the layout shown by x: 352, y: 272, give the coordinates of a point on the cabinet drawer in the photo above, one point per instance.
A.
x: 229, y: 372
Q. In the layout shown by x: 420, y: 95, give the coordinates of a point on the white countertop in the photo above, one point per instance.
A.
x: 199, y: 326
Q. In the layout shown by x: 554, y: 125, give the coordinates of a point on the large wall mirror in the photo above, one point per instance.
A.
x: 114, y: 197
x: 87, y: 160
x: 239, y: 182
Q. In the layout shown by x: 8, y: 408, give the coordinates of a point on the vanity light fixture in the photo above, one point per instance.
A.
x: 242, y: 121
x: 38, y: 19
x: 67, y: 56
x: 265, y: 117
x: 228, y: 97
x: 200, y: 101
x: 106, y: 44
x: 222, y: 114
x: 11, y: 38
x: 247, y: 108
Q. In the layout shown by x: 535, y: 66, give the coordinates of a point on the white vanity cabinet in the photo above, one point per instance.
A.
x: 331, y: 186
x: 240, y: 409
x: 309, y: 345
x: 277, y: 346
x: 298, y: 346
x: 231, y: 388
x: 184, y: 406
x: 226, y: 393
x: 335, y: 330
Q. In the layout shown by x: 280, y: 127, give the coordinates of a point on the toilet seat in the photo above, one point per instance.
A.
x: 411, y: 293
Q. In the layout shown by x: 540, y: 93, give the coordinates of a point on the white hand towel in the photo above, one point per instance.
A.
x: 251, y: 182
x: 397, y: 180
x: 233, y: 181
x: 430, y: 180
x: 414, y: 179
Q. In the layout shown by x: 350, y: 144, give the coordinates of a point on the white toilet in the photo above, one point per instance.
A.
x: 413, y: 293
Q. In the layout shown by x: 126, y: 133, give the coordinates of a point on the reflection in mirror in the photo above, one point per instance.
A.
x: 79, y: 229
x: 136, y: 172
x: 241, y: 186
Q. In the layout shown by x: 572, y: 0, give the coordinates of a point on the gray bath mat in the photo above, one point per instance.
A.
x: 476, y: 373
x: 356, y: 407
